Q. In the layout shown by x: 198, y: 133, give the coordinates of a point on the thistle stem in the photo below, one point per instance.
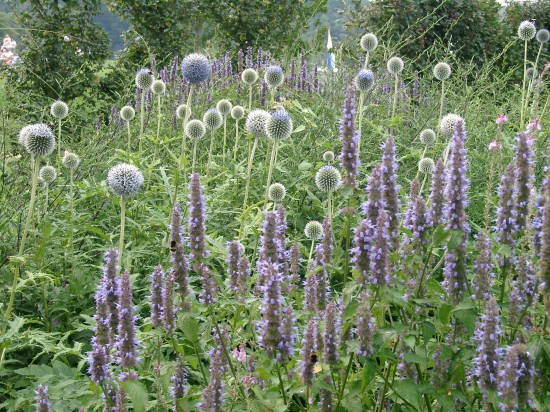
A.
x: 270, y: 172
x: 182, y: 153
x: 194, y: 154
x: 159, y: 118
x: 236, y: 140
x: 59, y: 138
x: 210, y: 154
x: 224, y: 135
x: 249, y: 98
x: 360, y: 120
x: 129, y: 139
x: 141, y: 121
x: 71, y: 225
x: 122, y: 224
x: 394, y: 97
x: 366, y: 64
x: 522, y: 108
x: 249, y: 170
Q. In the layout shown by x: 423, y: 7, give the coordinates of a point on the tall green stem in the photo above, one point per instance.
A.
x: 194, y: 154
x: 182, y: 153
x: 343, y: 387
x: 281, y: 386
x: 210, y: 154
x: 270, y: 172
x: 122, y: 224
x: 129, y: 139
x: 360, y: 120
x: 224, y: 135
x: 249, y: 171
x: 441, y: 104
x: 366, y: 64
x: 59, y: 138
x: 141, y: 122
x: 236, y: 140
x: 71, y: 226
x: 522, y: 109
x: 249, y: 99
x: 159, y: 119
x: 394, y: 97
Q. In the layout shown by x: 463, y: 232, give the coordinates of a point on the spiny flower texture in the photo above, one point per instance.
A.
x: 177, y: 391
x: 256, y: 123
x: 212, y: 119
x: 279, y: 125
x: 365, y: 326
x: 195, y: 68
x: 488, y: 352
x: 269, y: 328
x: 197, y: 226
x: 308, y: 347
x: 212, y: 396
x: 515, y: 379
x: 349, y: 137
x: 39, y: 140
x: 457, y: 201
x: 71, y: 160
x: 483, y: 269
x: 168, y: 303
x: 125, y: 180
x: 180, y: 265
x: 156, y: 296
x: 234, y: 250
x: 524, y: 181
x: 361, y: 251
x: 379, y: 258
x: 375, y: 201
x: 98, y: 358
x: 42, y: 402
x: 59, y: 109
x: 436, y: 213
x: 333, y: 333
x: 391, y: 197
x: 110, y: 281
x: 126, y: 338
x: 506, y: 223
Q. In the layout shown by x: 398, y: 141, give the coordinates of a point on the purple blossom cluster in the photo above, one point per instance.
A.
x: 127, y: 344
x: 42, y: 402
x: 506, y: 223
x: 363, y: 237
x: 333, y: 333
x: 179, y: 380
x: 365, y: 326
x: 515, y: 379
x: 269, y: 328
x: 349, y: 137
x: 180, y: 265
x: 309, y: 346
x: 157, y: 284
x: 436, y: 212
x: 197, y: 223
x: 212, y: 396
x: 524, y: 178
x: 234, y: 251
x: 375, y: 190
x: 487, y: 336
x: 391, y: 190
x: 168, y: 315
x: 483, y: 269
x: 379, y: 258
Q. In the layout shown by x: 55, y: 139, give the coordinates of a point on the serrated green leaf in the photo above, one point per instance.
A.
x: 137, y: 393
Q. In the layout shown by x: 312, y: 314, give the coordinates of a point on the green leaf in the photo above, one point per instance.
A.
x: 444, y: 313
x: 137, y: 392
x: 299, y: 129
x: 190, y: 327
x: 408, y: 391
x: 456, y: 237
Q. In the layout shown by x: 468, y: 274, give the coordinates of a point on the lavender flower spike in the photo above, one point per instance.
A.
x: 156, y: 296
x: 209, y: 290
x: 42, y: 402
x: 365, y: 326
x: 333, y: 333
x: 544, y: 260
x: 168, y: 303
x: 488, y: 352
x: 379, y: 258
x: 524, y: 182
x: 180, y: 265
x: 126, y: 338
x: 515, y: 381
x: 234, y: 250
x: 349, y: 157
x: 98, y: 358
x: 483, y: 269
x: 436, y: 213
x: 212, y: 396
x: 177, y: 391
x: 375, y: 202
x: 270, y: 325
x: 110, y: 281
x: 506, y: 224
x: 197, y: 225
x: 288, y: 335
x: 391, y: 197
x: 308, y: 347
x: 362, y: 249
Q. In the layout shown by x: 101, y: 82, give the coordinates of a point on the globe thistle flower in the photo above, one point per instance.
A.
x: 274, y: 76
x: 364, y: 80
x: 426, y: 166
x: 212, y: 119
x: 39, y: 140
x: 71, y: 160
x: 349, y: 137
x: 379, y: 253
x: 179, y: 380
x: 224, y: 106
x: 279, y: 125
x: 168, y: 316
x: 543, y: 36
x: 42, y: 401
x: 362, y: 240
x: 427, y: 137
x: 524, y: 180
x: 48, y: 174
x: 144, y: 80
x: 125, y: 180
x: 156, y: 296
x: 395, y: 65
x: 23, y: 133
x: 369, y: 42
x: 195, y: 129
x: 328, y: 156
x: 180, y: 265
x: 436, y: 212
x: 127, y: 113
x: 269, y: 328
x: 313, y: 230
x: 249, y: 76
x: 237, y: 112
x: 375, y: 190
x: 488, y: 353
x: 309, y: 347
x: 457, y: 201
x: 126, y: 333
x: 195, y: 68
x: 448, y: 123
x: 526, y: 30
x: 531, y: 73
x: 391, y: 189
x: 442, y: 71
x: 328, y: 179
x: 256, y: 123
x: 181, y: 110
x: 483, y: 269
x: 59, y: 109
x: 515, y: 379
x: 234, y: 252
x: 197, y: 222
x: 333, y: 332
x: 365, y: 326
x: 277, y: 192
x: 158, y: 87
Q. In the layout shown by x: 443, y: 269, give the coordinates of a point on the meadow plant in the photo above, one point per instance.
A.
x: 224, y: 106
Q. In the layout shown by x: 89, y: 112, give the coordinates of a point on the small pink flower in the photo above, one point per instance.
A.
x: 66, y: 39
x: 501, y: 119
x: 534, y: 125
x: 495, y: 146
x: 248, y: 380
x: 239, y: 353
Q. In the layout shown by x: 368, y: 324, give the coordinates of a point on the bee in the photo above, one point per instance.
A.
x: 173, y: 246
x: 276, y: 107
x: 313, y: 358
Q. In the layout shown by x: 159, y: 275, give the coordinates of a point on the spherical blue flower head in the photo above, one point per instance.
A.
x: 196, y: 68
x: 279, y: 126
x: 144, y: 80
x: 328, y: 179
x: 364, y: 80
x: 274, y: 76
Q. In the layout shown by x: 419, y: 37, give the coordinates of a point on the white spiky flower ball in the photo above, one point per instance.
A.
x: 369, y: 42
x: 427, y: 137
x: 313, y: 230
x: 127, y: 113
x: 274, y: 76
x: 23, y: 133
x: 531, y: 72
x: 48, y: 174
x: 328, y: 178
x: 526, y: 30
x: 249, y: 76
x: 144, y: 80
x: 364, y: 80
x: 328, y: 156
x: 71, y: 160
x: 40, y: 140
x: 237, y: 112
x: 180, y: 111
x: 212, y: 119
x: 158, y: 87
x: 224, y: 106
x: 279, y: 125
x: 59, y: 109
x: 426, y: 165
x: 256, y: 123
x: 543, y: 36
x: 195, y: 129
x: 448, y: 123
x: 395, y: 65
x: 125, y: 180
x: 276, y: 192
x: 196, y: 68
x: 442, y: 71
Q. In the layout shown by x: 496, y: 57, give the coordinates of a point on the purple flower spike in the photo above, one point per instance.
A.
x: 197, y: 225
x: 349, y: 157
x: 234, y: 250
x: 242, y: 279
x: 168, y: 316
x: 270, y: 325
x: 375, y: 190
x: 156, y: 296
x: 379, y: 257
x: 515, y: 380
x: 333, y: 333
x: 209, y: 287
x: 327, y: 246
x: 322, y: 292
x: 42, y: 402
x: 524, y: 181
x: 308, y: 348
x: 288, y: 335
x: 506, y: 212
x: 180, y: 265
x: 391, y: 198
x: 126, y: 338
x: 111, y: 284
x: 483, y: 269
x: 99, y: 358
x: 365, y: 326
x: 361, y: 252
x: 212, y: 396
x: 488, y: 352
x: 544, y: 260
x: 294, y: 267
x: 178, y: 382
x: 436, y: 214
x: 270, y: 249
